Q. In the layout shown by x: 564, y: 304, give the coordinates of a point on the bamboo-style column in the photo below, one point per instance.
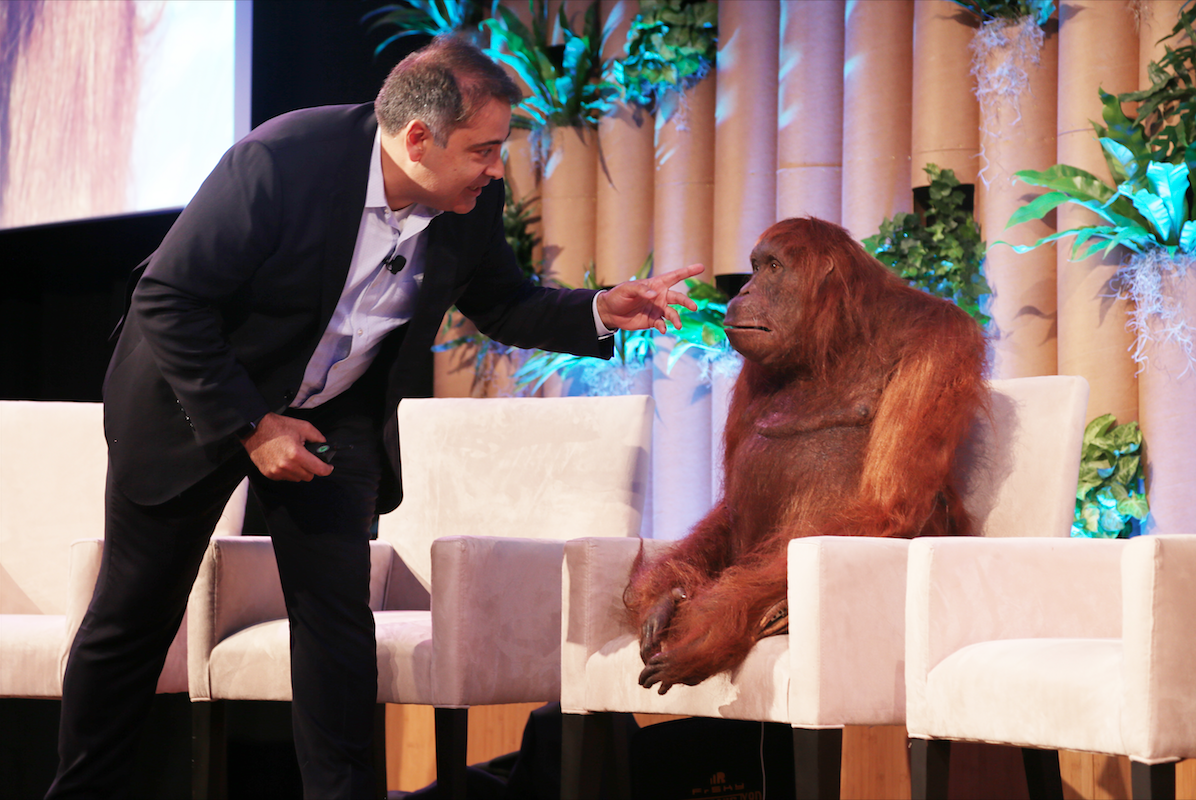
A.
x: 877, y: 96
x: 626, y: 143
x: 569, y: 188
x: 1098, y: 47
x: 745, y: 143
x: 1166, y: 382
x: 1017, y: 74
x: 683, y: 200
x: 683, y: 217
x: 946, y: 117
x: 810, y: 110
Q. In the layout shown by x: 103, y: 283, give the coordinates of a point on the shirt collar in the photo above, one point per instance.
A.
x: 375, y: 190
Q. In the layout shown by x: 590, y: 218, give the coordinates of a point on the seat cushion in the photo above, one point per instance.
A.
x: 31, y: 649
x: 1053, y: 693
x: 255, y: 664
x: 758, y: 690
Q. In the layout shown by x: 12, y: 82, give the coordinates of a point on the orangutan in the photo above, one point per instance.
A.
x: 855, y: 392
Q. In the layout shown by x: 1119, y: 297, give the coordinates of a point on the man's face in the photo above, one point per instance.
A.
x: 453, y: 176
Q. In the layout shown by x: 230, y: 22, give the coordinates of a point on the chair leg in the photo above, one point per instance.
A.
x: 817, y: 763
x: 452, y: 736
x: 583, y: 755
x: 209, y: 764
x: 1152, y: 781
x: 380, y: 751
x: 929, y: 768
x: 1043, y: 779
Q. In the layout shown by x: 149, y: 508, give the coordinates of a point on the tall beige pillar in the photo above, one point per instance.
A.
x: 1167, y: 383
x: 569, y: 204
x: 810, y: 110
x: 683, y: 211
x: 1017, y: 131
x: 1167, y: 398
x: 877, y: 97
x: 745, y: 143
x: 683, y: 202
x: 946, y: 116
x: 627, y: 149
x: 1098, y: 47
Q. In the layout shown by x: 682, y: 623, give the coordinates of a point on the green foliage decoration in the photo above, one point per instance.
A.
x: 1110, y: 499
x: 569, y: 82
x: 671, y: 46
x: 702, y: 333
x: 1040, y: 10
x: 940, y: 251
x: 427, y: 18
x: 1150, y: 156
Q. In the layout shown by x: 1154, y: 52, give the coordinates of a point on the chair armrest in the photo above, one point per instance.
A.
x: 237, y: 586
x: 496, y: 605
x: 594, y: 575
x: 847, y: 631
x: 1159, y: 614
x: 83, y: 568
x: 966, y: 590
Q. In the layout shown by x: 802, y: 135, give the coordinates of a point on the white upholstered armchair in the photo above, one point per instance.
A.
x: 465, y: 580
x: 52, y: 480
x: 842, y: 662
x: 1074, y: 644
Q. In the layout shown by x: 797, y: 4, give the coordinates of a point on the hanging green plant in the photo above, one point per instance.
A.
x: 1039, y: 10
x: 939, y: 251
x: 427, y: 18
x: 1149, y: 209
x: 1110, y: 500
x: 671, y: 45
x: 568, y: 83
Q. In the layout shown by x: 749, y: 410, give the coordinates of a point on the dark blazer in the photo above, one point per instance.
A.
x: 226, y: 313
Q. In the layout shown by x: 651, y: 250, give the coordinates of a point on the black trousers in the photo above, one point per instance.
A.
x: 320, y: 532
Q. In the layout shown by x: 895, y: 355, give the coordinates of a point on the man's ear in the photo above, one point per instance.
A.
x: 417, y: 138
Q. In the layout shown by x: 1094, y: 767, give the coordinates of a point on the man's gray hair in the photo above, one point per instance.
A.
x: 443, y: 85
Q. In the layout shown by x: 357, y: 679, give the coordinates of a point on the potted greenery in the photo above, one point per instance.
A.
x: 568, y: 83
x: 671, y: 46
x: 1110, y: 498
x: 702, y: 335
x: 940, y: 250
x: 427, y: 18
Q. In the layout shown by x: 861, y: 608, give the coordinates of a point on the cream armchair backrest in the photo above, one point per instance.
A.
x: 509, y: 467
x: 1018, y: 469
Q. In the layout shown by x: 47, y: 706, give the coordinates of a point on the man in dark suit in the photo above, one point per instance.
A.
x: 287, y: 306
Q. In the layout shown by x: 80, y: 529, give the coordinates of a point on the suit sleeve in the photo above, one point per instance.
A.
x: 511, y: 309
x: 230, y: 227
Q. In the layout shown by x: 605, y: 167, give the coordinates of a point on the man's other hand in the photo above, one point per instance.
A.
x: 277, y: 450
